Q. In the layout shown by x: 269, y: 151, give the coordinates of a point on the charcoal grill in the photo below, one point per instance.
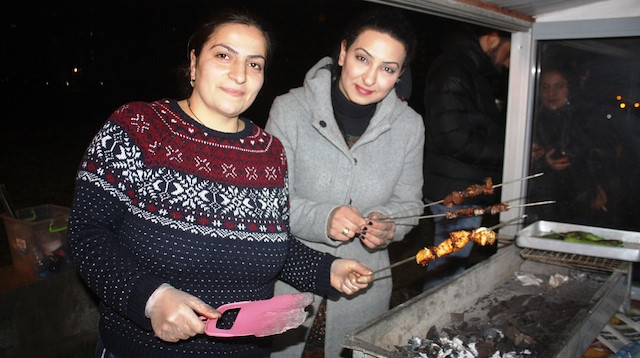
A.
x: 413, y: 318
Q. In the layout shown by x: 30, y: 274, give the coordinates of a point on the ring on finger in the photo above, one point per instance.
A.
x: 345, y: 231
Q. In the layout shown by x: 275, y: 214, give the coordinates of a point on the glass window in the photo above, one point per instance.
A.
x: 585, y: 134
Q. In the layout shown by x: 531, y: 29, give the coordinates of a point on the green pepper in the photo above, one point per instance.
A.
x: 604, y: 242
x: 583, y: 235
x: 554, y: 235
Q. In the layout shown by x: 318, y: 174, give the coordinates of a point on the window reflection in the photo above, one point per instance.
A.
x: 586, y: 133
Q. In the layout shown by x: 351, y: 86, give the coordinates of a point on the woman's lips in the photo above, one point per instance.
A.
x: 232, y: 92
x: 363, y: 91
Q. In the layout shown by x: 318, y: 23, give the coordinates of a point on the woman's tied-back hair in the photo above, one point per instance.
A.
x: 387, y: 20
x: 227, y: 16
x: 221, y: 17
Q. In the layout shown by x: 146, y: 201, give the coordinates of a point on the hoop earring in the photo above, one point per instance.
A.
x: 192, y: 82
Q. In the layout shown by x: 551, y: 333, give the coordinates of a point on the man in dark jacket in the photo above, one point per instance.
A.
x: 465, y: 133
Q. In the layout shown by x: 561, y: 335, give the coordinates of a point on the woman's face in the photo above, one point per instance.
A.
x: 554, y: 90
x: 229, y: 72
x: 370, y: 67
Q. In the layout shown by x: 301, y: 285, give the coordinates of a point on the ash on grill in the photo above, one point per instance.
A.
x: 517, y: 320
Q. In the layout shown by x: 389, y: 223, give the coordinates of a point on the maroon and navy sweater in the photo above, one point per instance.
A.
x: 160, y: 198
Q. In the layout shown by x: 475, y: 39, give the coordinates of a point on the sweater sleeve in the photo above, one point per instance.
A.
x: 301, y: 261
x: 99, y: 205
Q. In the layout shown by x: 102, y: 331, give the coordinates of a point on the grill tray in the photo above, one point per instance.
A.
x: 529, y: 237
x: 574, y: 260
x: 380, y: 337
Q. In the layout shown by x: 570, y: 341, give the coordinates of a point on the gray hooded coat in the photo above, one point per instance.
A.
x: 381, y: 172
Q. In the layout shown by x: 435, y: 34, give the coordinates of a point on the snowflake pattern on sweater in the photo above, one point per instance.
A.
x: 160, y: 198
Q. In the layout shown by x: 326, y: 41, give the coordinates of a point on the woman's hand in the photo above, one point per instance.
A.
x: 175, y: 314
x: 377, y: 233
x: 345, y: 222
x: 537, y: 152
x: 350, y: 276
x: 601, y: 199
x: 560, y: 163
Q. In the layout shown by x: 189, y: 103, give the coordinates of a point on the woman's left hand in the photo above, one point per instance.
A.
x: 350, y: 276
x: 377, y: 233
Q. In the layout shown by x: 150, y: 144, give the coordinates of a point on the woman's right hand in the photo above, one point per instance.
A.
x: 175, y: 314
x: 345, y: 222
x: 350, y: 276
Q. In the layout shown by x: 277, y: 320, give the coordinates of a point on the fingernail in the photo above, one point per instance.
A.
x: 370, y: 223
x: 364, y: 228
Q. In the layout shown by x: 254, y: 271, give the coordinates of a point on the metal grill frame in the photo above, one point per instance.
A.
x: 576, y: 260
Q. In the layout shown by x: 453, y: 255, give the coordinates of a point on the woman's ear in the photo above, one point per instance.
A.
x: 193, y: 61
x: 343, y: 53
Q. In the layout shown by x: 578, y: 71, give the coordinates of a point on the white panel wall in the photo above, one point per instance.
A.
x: 601, y: 10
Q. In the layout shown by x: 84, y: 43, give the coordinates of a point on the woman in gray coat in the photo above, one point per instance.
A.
x: 355, y: 152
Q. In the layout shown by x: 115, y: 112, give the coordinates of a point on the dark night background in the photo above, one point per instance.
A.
x: 127, y: 51
x: 133, y: 51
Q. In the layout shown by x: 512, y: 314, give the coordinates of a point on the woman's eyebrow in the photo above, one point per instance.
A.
x: 235, y: 52
x: 370, y: 55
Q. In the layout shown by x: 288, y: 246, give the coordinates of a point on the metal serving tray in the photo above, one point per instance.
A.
x: 530, y: 237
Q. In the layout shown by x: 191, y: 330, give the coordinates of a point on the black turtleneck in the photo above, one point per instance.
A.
x: 353, y: 119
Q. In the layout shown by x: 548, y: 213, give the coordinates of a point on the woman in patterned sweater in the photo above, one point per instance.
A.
x: 182, y: 206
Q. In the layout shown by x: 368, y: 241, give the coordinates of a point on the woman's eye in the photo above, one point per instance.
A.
x: 223, y: 56
x: 361, y: 58
x: 256, y: 66
x: 390, y: 70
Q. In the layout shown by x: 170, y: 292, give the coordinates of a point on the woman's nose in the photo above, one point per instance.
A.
x: 238, y: 72
x: 369, y: 77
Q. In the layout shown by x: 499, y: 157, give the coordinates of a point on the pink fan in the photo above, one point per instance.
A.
x: 263, y: 318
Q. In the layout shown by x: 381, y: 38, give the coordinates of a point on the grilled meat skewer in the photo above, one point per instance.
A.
x: 456, y: 197
x: 456, y: 241
x: 476, y: 211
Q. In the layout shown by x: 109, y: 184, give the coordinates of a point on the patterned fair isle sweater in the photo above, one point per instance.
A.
x: 160, y: 198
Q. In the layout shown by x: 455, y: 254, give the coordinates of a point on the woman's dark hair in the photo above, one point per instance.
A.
x: 387, y: 20
x: 221, y: 17
x: 567, y: 71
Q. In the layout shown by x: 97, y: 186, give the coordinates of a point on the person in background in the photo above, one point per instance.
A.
x: 574, y: 150
x: 465, y: 134
x: 355, y: 153
x: 181, y: 206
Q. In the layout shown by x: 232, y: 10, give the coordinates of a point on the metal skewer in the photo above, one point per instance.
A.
x: 442, y: 201
x: 444, y: 214
x: 412, y: 258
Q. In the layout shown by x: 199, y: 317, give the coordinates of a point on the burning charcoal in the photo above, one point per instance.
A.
x: 433, y: 333
x: 415, y: 343
x: 490, y: 333
x: 485, y: 349
x: 501, y: 318
x: 518, y: 324
x: 519, y: 338
x: 457, y: 318
x: 522, y: 340
x: 500, y: 308
x: 529, y: 319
